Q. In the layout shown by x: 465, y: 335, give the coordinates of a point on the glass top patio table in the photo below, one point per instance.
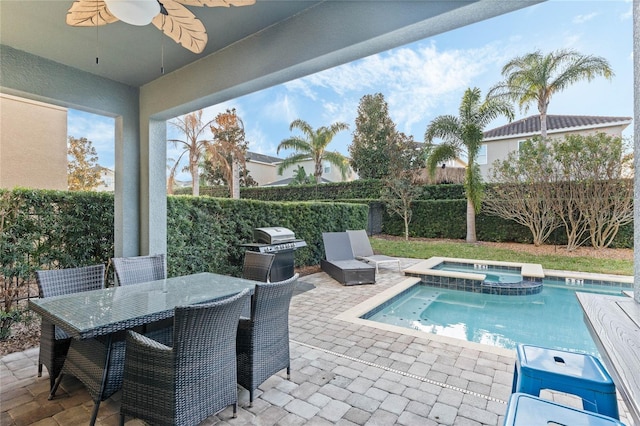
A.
x: 100, y: 312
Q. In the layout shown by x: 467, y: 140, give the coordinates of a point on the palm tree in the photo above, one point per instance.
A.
x: 192, y: 126
x: 313, y: 145
x: 535, y: 77
x: 463, y: 134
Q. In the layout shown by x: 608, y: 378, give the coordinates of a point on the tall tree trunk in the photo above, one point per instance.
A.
x: 471, y: 222
x: 234, y: 182
x: 195, y: 181
x: 542, y: 107
x: 318, y: 172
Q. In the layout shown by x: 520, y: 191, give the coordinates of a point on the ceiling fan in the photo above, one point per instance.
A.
x: 169, y: 16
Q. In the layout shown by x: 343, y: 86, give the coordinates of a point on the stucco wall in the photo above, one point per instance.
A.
x: 33, y: 144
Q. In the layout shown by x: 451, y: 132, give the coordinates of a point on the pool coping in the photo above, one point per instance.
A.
x: 527, y: 270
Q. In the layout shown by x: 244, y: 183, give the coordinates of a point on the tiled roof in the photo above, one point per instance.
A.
x: 531, y: 125
x: 262, y: 158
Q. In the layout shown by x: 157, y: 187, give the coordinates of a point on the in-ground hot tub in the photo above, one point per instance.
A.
x: 480, y: 276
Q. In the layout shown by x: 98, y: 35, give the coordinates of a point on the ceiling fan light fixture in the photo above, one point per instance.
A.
x: 134, y: 12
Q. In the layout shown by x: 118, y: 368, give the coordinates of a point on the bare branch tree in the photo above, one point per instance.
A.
x: 524, y: 190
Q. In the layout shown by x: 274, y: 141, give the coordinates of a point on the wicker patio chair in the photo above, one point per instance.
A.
x: 263, y: 339
x: 257, y: 266
x: 139, y: 269
x: 194, y: 379
x: 54, y: 342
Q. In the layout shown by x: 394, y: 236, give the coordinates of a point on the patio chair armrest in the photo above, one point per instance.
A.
x: 145, y: 343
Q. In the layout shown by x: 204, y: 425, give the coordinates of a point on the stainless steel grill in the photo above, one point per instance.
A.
x: 282, y: 243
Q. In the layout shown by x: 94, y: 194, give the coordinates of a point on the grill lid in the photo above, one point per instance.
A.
x: 273, y: 235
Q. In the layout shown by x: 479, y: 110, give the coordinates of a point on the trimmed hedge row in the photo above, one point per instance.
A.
x: 357, y: 189
x: 56, y: 229
x: 206, y: 233
x: 447, y: 219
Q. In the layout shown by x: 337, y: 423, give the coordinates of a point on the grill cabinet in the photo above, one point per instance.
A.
x: 282, y: 243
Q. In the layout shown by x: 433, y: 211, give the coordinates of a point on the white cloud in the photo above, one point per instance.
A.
x: 259, y: 141
x: 414, y: 81
x: 581, y: 19
x: 282, y: 109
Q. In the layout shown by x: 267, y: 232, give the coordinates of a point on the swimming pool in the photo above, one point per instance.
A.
x: 551, y: 318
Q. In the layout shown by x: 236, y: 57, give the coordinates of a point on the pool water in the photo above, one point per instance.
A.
x: 492, y: 275
x: 552, y: 318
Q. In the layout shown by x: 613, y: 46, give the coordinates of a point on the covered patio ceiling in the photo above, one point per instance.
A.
x: 309, y: 35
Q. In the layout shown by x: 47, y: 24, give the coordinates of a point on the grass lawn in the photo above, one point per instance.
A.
x: 607, y: 261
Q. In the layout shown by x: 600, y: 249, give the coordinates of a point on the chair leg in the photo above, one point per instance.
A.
x: 94, y: 414
x: 39, y: 370
x: 288, y: 372
x: 53, y: 390
x: 250, y: 398
x: 121, y: 419
x: 235, y: 410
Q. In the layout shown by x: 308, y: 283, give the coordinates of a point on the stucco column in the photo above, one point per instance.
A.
x: 636, y: 149
x: 153, y: 186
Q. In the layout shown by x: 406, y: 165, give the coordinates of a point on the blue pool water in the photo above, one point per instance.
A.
x: 552, y: 318
x: 492, y: 275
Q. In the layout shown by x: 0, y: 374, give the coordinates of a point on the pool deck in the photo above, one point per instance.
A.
x: 343, y: 373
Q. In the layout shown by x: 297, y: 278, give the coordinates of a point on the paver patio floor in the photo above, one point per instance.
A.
x: 342, y: 373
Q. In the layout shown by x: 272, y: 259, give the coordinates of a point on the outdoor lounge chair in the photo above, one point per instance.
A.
x: 262, y: 345
x: 195, y: 377
x: 340, y: 263
x: 139, y: 269
x: 54, y: 342
x: 362, y: 250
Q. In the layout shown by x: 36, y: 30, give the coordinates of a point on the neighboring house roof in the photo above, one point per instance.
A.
x: 262, y: 158
x: 530, y: 126
x: 287, y: 181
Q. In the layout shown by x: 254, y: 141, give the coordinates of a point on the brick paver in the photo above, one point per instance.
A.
x: 343, y: 373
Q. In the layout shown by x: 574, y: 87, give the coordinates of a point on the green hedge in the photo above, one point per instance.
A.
x: 357, y: 189
x: 47, y: 229
x: 206, y: 233
x: 447, y: 219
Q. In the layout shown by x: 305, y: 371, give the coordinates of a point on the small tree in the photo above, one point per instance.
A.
x: 370, y: 156
x: 592, y: 199
x: 229, y: 148
x: 525, y: 189
x: 399, y: 187
x: 83, y: 172
x: 300, y: 177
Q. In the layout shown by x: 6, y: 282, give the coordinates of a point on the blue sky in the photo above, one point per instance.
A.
x: 427, y: 78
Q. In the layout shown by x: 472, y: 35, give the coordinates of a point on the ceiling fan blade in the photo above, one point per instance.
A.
x: 182, y: 26
x: 217, y: 3
x: 89, y: 13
